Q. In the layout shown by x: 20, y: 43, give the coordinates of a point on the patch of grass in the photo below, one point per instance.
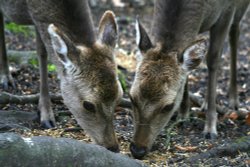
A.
x: 51, y: 67
x: 242, y: 139
x: 122, y: 79
x: 34, y: 62
x: 19, y: 29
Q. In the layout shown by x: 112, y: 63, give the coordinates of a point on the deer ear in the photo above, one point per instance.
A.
x: 142, y: 39
x: 61, y: 44
x: 108, y: 29
x: 193, y: 55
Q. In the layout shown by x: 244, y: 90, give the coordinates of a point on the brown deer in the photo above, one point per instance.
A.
x: 85, y: 62
x: 160, y: 85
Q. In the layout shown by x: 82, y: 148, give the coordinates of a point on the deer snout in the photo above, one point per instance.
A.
x: 114, y: 149
x: 138, y: 152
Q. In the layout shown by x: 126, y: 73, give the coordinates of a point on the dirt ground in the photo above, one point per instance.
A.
x: 182, y: 136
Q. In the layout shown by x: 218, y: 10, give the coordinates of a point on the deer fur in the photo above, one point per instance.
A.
x: 85, y: 61
x: 160, y: 86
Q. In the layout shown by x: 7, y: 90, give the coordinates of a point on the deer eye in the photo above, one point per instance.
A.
x: 89, y: 106
x: 168, y: 107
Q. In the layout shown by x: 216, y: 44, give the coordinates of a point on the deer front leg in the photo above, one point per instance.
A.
x: 46, y: 114
x: 233, y: 39
x: 5, y: 76
x: 217, y: 37
x: 185, y: 104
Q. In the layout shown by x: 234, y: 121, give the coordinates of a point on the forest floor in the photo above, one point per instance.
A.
x: 185, y: 141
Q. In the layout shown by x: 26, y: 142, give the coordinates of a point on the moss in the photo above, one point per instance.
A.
x: 19, y: 29
x: 122, y: 79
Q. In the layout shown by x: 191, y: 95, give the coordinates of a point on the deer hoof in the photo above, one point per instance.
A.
x: 6, y: 82
x: 208, y: 135
x: 48, y: 124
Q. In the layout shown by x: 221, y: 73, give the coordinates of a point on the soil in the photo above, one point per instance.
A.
x: 187, y: 135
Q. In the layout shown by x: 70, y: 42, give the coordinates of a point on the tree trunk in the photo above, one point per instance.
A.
x: 62, y: 152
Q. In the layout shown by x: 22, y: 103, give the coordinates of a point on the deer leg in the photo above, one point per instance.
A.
x: 46, y: 113
x: 217, y: 37
x: 233, y: 39
x: 185, y: 103
x: 5, y: 76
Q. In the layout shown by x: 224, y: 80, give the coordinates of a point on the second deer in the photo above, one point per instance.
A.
x: 160, y: 85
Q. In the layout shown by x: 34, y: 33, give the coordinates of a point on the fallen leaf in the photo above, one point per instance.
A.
x: 209, y: 146
x: 187, y: 148
x: 248, y: 119
x: 233, y: 116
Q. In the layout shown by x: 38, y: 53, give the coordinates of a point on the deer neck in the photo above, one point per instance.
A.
x: 176, y: 23
x: 80, y: 22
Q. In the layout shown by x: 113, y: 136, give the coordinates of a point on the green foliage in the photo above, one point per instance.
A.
x: 25, y: 30
x: 51, y: 68
x: 242, y: 139
x: 122, y: 79
x: 34, y: 62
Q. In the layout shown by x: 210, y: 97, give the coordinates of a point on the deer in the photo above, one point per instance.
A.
x: 170, y: 52
x: 84, y: 60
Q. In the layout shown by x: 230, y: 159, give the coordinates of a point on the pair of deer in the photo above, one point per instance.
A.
x: 87, y: 70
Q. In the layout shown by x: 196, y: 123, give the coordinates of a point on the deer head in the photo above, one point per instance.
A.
x: 157, y: 90
x: 89, y: 83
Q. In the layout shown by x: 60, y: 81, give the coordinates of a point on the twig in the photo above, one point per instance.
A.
x: 231, y: 149
x: 6, y: 98
x: 75, y: 129
x: 7, y: 127
x: 197, y: 101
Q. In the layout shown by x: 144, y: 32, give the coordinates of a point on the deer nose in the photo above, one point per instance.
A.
x: 114, y: 149
x: 138, y: 152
